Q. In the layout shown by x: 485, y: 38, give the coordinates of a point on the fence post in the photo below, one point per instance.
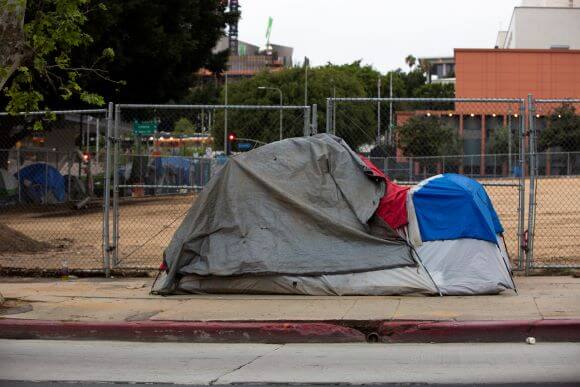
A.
x: 18, y: 175
x: 45, y: 177
x: 410, y: 169
x: 307, y: 121
x: 107, y: 193
x: 532, y: 197
x: 314, y: 127
x: 522, y: 187
x: 329, y: 103
x: 116, y: 149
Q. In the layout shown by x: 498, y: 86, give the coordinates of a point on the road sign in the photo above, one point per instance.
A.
x: 144, y: 128
x: 244, y: 146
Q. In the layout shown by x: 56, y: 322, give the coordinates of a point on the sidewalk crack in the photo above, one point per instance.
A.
x: 214, y: 381
x: 349, y: 309
x: 396, y: 309
x: 538, y: 308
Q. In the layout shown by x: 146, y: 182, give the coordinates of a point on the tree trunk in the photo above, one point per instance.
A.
x: 11, y: 37
x: 7, y: 142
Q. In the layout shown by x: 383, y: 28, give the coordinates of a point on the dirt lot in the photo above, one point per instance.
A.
x: 147, y: 225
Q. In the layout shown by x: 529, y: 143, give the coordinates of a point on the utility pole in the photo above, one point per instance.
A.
x: 389, y: 137
x: 378, y: 112
x: 226, y: 114
x: 334, y: 110
x: 306, y: 64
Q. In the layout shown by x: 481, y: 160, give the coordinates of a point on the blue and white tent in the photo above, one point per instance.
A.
x: 458, y: 235
x: 42, y: 183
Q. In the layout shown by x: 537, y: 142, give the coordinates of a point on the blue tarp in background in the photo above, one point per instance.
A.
x: 175, y: 169
x: 452, y: 206
x: 43, y: 178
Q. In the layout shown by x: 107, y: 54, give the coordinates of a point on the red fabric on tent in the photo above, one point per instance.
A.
x: 392, y: 206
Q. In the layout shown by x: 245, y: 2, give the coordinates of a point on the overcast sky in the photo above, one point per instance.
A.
x: 380, y: 32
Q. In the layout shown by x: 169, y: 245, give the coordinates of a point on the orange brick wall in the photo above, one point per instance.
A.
x: 494, y: 73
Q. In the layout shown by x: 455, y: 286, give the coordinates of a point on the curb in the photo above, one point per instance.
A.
x: 479, y: 331
x: 171, y: 331
x: 565, y: 330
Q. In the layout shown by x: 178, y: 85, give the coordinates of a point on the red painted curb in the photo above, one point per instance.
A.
x: 293, y: 332
x: 171, y: 331
x: 479, y: 331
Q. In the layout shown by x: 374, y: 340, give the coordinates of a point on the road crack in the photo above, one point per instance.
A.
x: 214, y: 381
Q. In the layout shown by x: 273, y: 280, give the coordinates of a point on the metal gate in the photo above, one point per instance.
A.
x: 414, y: 138
x: 51, y: 191
x: 163, y: 155
x: 554, y: 209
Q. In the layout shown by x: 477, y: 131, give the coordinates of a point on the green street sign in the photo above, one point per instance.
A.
x: 144, y: 128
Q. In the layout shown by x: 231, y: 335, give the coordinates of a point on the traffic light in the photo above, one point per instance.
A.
x: 231, y: 139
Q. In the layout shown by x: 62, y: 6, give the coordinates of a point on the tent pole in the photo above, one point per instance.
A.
x: 506, y: 265
x: 424, y: 267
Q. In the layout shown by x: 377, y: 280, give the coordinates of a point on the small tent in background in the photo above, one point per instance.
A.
x: 170, y: 171
x: 41, y: 183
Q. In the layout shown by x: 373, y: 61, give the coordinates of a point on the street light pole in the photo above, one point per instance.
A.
x: 281, y: 101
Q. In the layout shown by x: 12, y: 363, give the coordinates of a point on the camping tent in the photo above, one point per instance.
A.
x: 179, y: 171
x: 42, y: 183
x: 453, y: 224
x: 300, y: 216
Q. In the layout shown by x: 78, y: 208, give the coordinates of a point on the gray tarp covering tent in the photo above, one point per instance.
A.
x: 292, y: 210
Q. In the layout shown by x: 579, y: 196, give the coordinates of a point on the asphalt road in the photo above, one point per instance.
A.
x: 158, y: 363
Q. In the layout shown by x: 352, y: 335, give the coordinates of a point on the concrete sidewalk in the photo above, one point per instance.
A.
x: 121, y: 301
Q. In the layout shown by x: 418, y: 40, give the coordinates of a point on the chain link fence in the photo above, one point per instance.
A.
x: 163, y: 156
x: 51, y: 189
x: 54, y: 168
x: 412, y: 139
x: 554, y: 215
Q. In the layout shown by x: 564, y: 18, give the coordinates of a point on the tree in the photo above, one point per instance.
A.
x: 37, y: 46
x: 74, y: 53
x: 183, y: 126
x: 562, y: 130
x: 427, y: 136
x: 356, y: 123
x: 410, y: 60
x: 500, y: 139
x: 159, y: 46
x: 40, y: 37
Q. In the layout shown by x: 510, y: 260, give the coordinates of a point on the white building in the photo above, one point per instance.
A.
x: 543, y: 24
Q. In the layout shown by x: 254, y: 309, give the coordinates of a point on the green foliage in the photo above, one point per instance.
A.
x: 158, y: 46
x: 208, y: 93
x: 410, y: 60
x: 53, y: 29
x: 500, y: 139
x: 563, y: 130
x: 434, y: 90
x: 183, y: 126
x: 427, y: 136
x: 348, y: 80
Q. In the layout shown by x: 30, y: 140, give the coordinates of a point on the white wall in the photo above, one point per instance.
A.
x: 544, y: 28
x: 550, y: 3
